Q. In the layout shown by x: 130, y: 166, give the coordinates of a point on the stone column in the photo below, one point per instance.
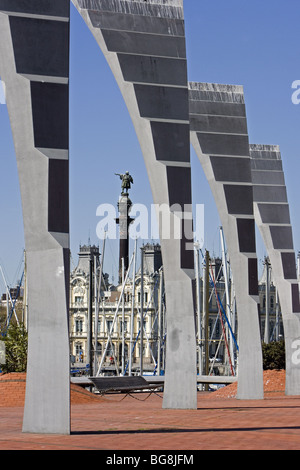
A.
x: 144, y: 44
x: 220, y: 138
x: 34, y: 65
x: 272, y: 215
x: 124, y: 221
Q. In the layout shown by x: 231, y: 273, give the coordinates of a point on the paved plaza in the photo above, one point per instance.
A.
x: 138, y: 422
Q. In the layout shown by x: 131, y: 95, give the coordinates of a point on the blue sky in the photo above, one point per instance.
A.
x: 250, y: 43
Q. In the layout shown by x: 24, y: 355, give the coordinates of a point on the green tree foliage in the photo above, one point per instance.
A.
x: 16, y: 342
x: 2, y: 317
x: 274, y: 355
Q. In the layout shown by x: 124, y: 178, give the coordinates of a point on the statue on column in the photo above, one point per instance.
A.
x: 127, y: 181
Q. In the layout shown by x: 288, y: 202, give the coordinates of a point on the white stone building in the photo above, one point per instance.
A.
x: 113, y: 348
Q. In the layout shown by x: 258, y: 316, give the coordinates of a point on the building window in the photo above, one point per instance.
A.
x: 78, y: 326
x: 79, y: 352
x: 109, y: 325
x: 145, y: 297
x: 139, y: 324
x: 125, y: 326
x: 78, y: 299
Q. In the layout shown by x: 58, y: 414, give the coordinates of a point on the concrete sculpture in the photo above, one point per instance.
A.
x: 219, y: 135
x: 144, y: 44
x: 272, y: 216
x: 34, y: 64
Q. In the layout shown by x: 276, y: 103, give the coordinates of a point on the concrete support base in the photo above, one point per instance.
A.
x: 47, y: 401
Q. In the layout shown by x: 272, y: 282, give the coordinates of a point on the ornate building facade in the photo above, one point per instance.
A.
x: 115, y: 314
x: 118, y: 323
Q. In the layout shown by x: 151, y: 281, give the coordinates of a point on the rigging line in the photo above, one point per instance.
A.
x: 147, y: 337
x: 277, y: 322
x: 161, y: 348
x: 223, y: 310
x: 223, y: 328
x: 5, y: 276
x: 216, y: 355
x: 227, y: 321
x: 13, y: 307
x: 10, y: 298
x: 214, y: 329
x: 18, y: 269
x: 115, y: 315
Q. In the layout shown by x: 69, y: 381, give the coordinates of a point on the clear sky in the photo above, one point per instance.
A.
x: 252, y: 43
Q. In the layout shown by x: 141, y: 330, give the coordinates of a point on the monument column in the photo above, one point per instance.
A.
x: 124, y: 221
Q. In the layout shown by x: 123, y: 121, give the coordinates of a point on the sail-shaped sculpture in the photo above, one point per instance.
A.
x: 272, y: 216
x: 220, y: 138
x: 144, y: 44
x: 34, y: 65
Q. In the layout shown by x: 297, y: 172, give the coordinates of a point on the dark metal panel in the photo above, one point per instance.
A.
x: 59, y: 8
x: 148, y: 44
x: 137, y: 23
x: 269, y: 193
x: 253, y: 276
x: 246, y: 235
x: 156, y: 70
x: 274, y: 213
x: 40, y: 46
x: 223, y: 124
x: 257, y: 164
x: 239, y: 199
x: 295, y: 298
x: 224, y: 144
x: 231, y: 169
x: 179, y: 185
x: 58, y: 196
x: 282, y: 237
x: 268, y: 177
x: 171, y: 141
x: 289, y: 265
x: 157, y: 102
x: 187, y: 244
x: 50, y: 113
x: 217, y: 108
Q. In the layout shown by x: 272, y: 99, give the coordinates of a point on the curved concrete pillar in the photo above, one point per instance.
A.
x: 34, y: 64
x: 144, y: 44
x: 271, y: 210
x: 220, y: 138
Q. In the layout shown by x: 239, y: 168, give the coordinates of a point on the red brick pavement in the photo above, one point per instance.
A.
x: 138, y: 422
